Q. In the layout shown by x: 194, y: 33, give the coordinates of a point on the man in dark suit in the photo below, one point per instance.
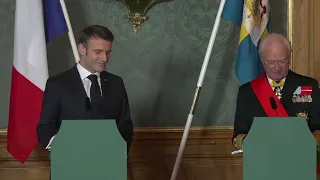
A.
x: 86, y: 91
x: 294, y: 94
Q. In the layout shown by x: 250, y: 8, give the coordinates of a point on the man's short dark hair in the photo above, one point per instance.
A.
x: 95, y: 31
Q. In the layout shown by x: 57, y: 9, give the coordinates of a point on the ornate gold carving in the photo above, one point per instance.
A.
x: 137, y: 20
x: 255, y: 11
x: 303, y: 114
x: 138, y: 10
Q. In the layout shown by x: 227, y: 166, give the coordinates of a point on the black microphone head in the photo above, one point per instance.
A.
x: 273, y: 103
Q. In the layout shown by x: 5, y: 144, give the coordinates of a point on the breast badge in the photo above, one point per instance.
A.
x: 302, y: 94
x: 303, y: 114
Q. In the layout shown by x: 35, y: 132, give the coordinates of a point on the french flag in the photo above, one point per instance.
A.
x: 36, y: 22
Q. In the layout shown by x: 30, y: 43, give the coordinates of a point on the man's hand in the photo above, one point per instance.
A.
x: 238, y: 141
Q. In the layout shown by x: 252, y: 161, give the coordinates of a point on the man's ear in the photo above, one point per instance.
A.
x: 82, y: 50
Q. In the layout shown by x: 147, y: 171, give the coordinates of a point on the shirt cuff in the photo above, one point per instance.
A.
x: 49, y: 144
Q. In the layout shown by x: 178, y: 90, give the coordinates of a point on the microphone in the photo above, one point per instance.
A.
x: 273, y: 104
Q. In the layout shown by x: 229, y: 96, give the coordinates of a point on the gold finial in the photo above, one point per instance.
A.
x: 303, y: 114
x: 138, y: 10
x: 136, y: 21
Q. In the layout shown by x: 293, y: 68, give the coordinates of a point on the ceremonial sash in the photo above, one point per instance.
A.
x: 263, y: 91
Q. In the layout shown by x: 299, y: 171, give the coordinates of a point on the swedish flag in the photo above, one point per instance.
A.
x: 253, y: 16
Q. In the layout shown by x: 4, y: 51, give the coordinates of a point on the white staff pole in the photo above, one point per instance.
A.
x: 199, y: 85
x: 70, y: 32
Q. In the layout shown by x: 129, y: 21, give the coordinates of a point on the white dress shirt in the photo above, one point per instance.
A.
x: 85, y: 81
x: 270, y: 80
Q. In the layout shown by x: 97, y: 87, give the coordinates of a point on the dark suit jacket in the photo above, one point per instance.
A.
x: 65, y: 98
x: 249, y: 107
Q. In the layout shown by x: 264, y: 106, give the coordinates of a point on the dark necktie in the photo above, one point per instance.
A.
x: 95, y: 94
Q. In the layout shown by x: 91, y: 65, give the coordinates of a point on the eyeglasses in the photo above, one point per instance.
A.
x: 272, y: 63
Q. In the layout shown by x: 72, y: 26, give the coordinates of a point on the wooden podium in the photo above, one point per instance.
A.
x: 279, y: 149
x: 88, y: 150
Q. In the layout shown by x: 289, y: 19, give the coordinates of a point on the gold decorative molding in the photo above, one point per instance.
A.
x: 3, y: 131
x: 181, y: 129
x: 138, y: 10
x: 290, y: 8
x: 167, y: 129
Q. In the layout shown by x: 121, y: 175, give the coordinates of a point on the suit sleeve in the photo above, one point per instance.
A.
x: 241, y: 127
x: 47, y: 126
x: 125, y: 124
x: 315, y: 113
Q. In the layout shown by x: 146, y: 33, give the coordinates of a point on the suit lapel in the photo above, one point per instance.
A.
x: 77, y: 84
x: 104, y: 82
x: 76, y: 92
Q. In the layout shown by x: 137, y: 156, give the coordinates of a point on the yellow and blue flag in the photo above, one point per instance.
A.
x: 253, y: 16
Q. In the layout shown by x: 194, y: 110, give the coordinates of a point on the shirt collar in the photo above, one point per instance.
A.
x: 84, y: 73
x: 270, y: 80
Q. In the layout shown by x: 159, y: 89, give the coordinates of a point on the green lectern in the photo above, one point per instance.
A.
x: 279, y: 149
x: 88, y: 150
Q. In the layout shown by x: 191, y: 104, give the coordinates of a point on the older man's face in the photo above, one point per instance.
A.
x: 276, y: 61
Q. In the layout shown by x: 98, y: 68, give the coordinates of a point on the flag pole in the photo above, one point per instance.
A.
x: 70, y: 31
x: 197, y: 92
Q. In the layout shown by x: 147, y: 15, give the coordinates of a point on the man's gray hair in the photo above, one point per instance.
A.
x: 272, y: 38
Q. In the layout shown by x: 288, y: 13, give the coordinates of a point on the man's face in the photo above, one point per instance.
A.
x: 276, y: 61
x: 96, y: 55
